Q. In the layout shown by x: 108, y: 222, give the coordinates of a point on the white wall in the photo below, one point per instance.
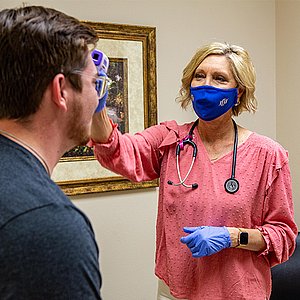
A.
x: 124, y: 222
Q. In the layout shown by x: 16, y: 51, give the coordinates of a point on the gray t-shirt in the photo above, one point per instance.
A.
x: 47, y: 245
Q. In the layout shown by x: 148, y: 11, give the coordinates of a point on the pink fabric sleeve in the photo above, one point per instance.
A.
x: 279, y: 229
x: 136, y: 157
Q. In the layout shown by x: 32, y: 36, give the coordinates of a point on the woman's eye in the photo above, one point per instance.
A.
x: 199, y: 76
x: 220, y: 78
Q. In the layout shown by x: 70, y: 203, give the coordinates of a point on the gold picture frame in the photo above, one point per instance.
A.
x: 136, y: 45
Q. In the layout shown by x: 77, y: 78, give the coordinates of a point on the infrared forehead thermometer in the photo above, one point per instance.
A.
x: 102, y: 83
x: 101, y: 61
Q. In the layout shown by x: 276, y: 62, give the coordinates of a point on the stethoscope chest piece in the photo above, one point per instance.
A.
x: 231, y: 185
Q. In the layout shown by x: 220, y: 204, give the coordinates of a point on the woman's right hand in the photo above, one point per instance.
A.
x: 101, y: 127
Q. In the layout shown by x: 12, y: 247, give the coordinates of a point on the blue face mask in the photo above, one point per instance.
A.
x: 210, y: 102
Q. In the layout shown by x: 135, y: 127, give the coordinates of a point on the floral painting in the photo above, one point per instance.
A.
x: 132, y: 104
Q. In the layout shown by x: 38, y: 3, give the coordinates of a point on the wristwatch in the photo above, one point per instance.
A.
x: 243, y: 238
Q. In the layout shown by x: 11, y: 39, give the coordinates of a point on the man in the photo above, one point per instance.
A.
x: 47, y: 100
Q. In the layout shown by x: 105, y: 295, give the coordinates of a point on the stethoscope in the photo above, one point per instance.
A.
x: 231, y: 185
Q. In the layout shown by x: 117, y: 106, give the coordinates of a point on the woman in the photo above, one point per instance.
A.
x: 226, y: 216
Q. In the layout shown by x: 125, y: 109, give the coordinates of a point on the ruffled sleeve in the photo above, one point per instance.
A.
x: 279, y: 229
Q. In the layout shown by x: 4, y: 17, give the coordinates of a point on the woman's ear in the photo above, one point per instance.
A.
x: 240, y: 92
x: 60, y: 91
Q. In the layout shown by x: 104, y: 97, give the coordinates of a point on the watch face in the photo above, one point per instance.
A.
x: 244, y: 238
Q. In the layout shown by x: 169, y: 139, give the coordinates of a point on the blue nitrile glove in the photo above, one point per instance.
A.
x: 102, y: 102
x: 206, y: 240
x: 102, y: 90
x: 102, y: 82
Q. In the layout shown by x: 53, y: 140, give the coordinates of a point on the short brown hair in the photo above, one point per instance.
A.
x: 242, y: 69
x: 37, y: 43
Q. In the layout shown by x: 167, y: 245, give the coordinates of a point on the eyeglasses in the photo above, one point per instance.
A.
x: 102, y: 82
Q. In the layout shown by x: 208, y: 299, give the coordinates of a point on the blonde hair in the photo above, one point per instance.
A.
x: 242, y: 69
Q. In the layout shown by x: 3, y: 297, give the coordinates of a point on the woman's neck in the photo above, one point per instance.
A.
x: 216, y: 131
x: 217, y: 137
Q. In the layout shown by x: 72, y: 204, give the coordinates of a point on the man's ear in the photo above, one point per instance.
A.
x: 60, y: 91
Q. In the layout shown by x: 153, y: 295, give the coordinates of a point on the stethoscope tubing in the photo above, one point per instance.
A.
x: 235, y: 144
x: 231, y: 185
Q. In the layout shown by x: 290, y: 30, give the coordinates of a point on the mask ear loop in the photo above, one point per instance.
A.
x: 238, y: 102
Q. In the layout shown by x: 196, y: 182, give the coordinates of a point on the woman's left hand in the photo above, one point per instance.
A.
x: 206, y: 240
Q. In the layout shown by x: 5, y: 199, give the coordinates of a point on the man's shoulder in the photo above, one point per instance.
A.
x: 52, y: 247
x: 51, y: 220
x: 24, y: 184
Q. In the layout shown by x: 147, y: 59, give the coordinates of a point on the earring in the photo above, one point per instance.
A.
x: 237, y: 103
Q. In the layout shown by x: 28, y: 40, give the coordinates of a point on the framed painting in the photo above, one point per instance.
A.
x: 132, y: 104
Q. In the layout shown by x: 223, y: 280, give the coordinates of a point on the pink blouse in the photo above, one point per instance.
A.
x: 263, y: 201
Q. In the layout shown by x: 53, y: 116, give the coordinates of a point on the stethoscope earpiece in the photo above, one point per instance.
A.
x: 194, y: 186
x: 231, y: 185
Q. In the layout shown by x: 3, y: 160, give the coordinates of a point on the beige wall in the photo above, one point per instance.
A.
x: 287, y: 87
x: 124, y: 222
